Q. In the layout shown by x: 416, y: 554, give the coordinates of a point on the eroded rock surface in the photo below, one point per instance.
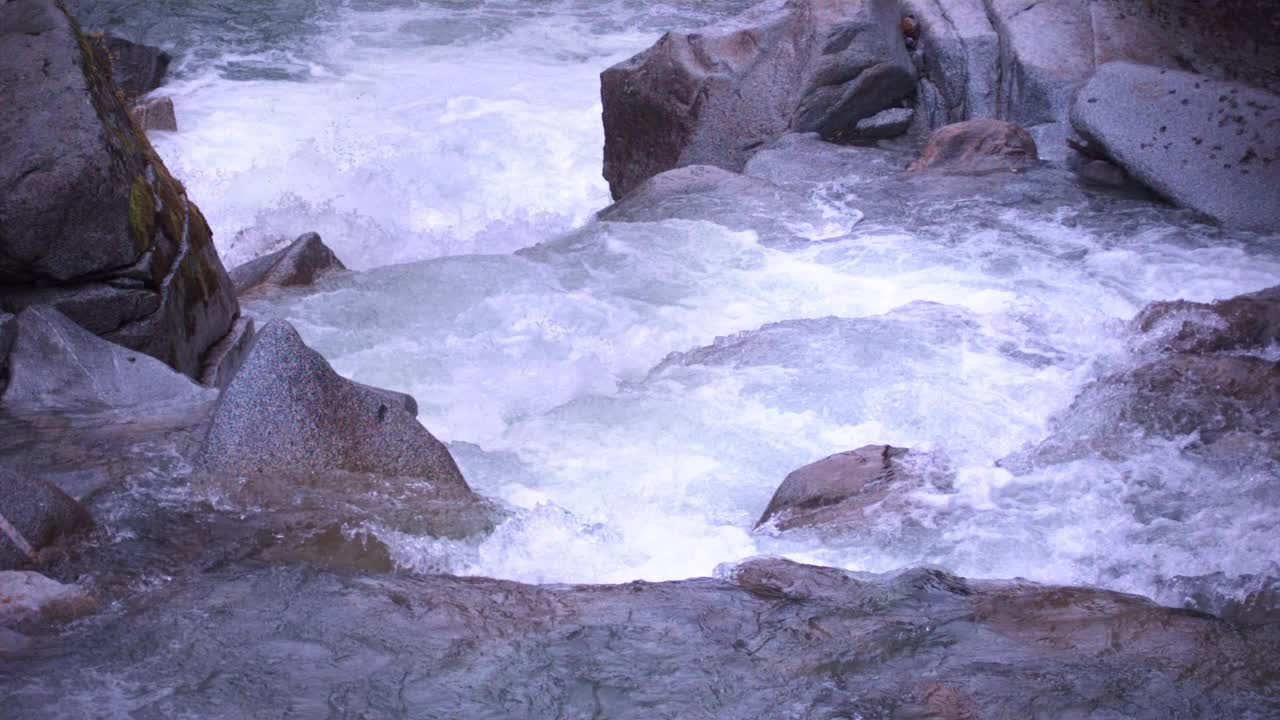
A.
x: 771, y: 639
x: 29, y: 598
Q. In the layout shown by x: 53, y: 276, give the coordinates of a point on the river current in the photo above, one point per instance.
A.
x: 633, y: 393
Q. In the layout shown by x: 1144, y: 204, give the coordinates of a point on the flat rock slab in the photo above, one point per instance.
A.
x: 55, y: 364
x: 29, y: 598
x: 1208, y: 145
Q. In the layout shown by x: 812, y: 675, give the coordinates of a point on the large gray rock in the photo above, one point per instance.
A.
x: 961, y: 54
x: 303, y: 262
x: 975, y: 147
x: 90, y: 219
x: 1046, y: 53
x: 713, y: 96
x: 33, y: 516
x: 57, y: 365
x: 1211, y: 146
x: 30, y: 599
x: 287, y: 410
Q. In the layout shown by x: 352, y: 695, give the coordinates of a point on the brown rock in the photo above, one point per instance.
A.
x: 29, y: 598
x: 837, y: 489
x: 1239, y: 323
x: 155, y: 114
x: 976, y: 147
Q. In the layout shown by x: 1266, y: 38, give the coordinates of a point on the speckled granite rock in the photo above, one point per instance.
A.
x: 1212, y: 146
x: 287, y: 409
x: 34, y: 515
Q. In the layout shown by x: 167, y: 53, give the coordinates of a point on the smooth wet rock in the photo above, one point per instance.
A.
x: 1245, y: 599
x: 155, y: 114
x: 838, y: 489
x: 769, y: 639
x: 34, y: 515
x: 91, y: 221
x: 137, y: 69
x: 1207, y: 145
x: 55, y: 364
x: 303, y: 262
x: 287, y: 410
x: 976, y: 147
x: 713, y: 96
x: 1244, y: 322
x: 29, y: 598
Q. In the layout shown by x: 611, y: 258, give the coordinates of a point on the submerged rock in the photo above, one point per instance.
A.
x: 287, y: 410
x: 55, y: 364
x: 303, y: 262
x: 837, y: 489
x: 34, y: 515
x: 1250, y: 321
x: 29, y: 598
x: 1208, y: 145
x: 977, y: 147
x: 713, y: 96
x: 91, y: 221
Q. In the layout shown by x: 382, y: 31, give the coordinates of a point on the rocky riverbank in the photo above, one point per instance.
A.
x: 200, y: 516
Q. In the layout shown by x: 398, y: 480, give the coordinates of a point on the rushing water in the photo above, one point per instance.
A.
x: 634, y: 392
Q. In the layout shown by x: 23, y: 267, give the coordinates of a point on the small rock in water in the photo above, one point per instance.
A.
x: 303, y: 262
x: 155, y: 114
x: 34, y: 515
x: 838, y: 490
x: 976, y: 147
x: 29, y: 598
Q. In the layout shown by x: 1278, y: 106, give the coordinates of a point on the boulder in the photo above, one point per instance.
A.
x: 1211, y: 146
x: 34, y: 515
x: 976, y: 147
x: 1244, y: 322
x: 1046, y: 53
x: 29, y: 598
x: 90, y: 219
x: 304, y: 261
x: 57, y: 365
x: 713, y: 96
x: 961, y: 56
x: 838, y: 490
x: 136, y: 69
x: 287, y: 410
x: 155, y: 114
